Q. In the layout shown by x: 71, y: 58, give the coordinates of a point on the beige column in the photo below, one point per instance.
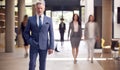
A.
x: 33, y: 9
x: 107, y: 21
x: 89, y: 9
x: 9, y: 25
x: 21, y: 13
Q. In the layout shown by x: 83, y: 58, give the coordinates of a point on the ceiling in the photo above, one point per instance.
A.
x: 62, y: 5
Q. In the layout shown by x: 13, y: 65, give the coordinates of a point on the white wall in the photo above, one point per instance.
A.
x: 116, y: 25
x: 89, y: 9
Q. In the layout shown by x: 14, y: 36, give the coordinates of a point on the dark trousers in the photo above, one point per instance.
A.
x: 61, y: 37
x: 33, y: 56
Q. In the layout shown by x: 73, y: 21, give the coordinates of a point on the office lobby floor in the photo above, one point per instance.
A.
x: 60, y: 60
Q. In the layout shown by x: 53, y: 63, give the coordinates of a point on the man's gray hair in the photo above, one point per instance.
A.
x: 40, y: 2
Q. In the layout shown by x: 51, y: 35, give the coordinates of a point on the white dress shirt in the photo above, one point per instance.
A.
x: 42, y: 17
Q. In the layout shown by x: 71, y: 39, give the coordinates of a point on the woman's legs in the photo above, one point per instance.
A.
x: 26, y: 47
x: 26, y: 51
x: 88, y: 50
x: 75, y: 54
x: 92, y: 49
x: 91, y: 43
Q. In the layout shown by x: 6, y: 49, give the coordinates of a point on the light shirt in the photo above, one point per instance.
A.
x: 42, y: 17
x: 91, y: 29
x: 75, y: 26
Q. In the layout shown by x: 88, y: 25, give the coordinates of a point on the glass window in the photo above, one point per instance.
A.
x: 76, y: 12
x: 3, y: 2
x: 83, y: 16
x: 29, y: 11
x: 82, y: 3
x: 48, y: 13
x: 28, y: 2
x: 56, y: 15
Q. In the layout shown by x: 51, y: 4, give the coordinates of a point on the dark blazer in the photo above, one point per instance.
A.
x: 62, y: 27
x: 44, y: 37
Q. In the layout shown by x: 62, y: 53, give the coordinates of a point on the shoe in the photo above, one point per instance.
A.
x: 75, y: 61
x: 56, y: 50
x: 91, y: 61
x: 26, y: 55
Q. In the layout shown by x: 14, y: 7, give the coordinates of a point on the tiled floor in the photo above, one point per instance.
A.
x: 59, y: 61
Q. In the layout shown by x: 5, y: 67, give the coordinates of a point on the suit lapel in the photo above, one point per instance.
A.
x: 44, y: 20
x: 35, y: 20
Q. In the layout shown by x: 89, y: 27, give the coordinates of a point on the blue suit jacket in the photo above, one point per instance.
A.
x: 40, y: 38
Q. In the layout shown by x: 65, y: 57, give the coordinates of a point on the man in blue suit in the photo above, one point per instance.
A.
x: 39, y: 34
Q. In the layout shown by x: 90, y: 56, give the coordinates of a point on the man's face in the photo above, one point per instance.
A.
x: 40, y: 8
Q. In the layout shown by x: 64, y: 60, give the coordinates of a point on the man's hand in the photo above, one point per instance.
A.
x: 50, y: 51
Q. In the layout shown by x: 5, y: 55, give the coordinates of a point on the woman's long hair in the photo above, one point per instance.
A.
x: 78, y: 19
x: 25, y: 17
x: 90, y: 17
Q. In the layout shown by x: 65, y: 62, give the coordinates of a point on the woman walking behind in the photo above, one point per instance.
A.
x: 91, y: 35
x: 23, y: 25
x: 75, y: 33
